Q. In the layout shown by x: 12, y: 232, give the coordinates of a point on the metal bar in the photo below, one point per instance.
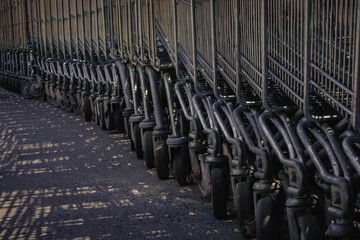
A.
x: 194, y: 53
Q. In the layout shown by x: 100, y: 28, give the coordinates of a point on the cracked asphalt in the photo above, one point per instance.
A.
x: 64, y: 178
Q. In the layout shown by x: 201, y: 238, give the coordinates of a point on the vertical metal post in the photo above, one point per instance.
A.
x: 176, y: 33
x: 77, y: 30
x: 130, y: 33
x: 214, y: 47
x: 307, y: 48
x: 98, y: 31
x: 264, y: 43
x: 152, y: 34
x: 238, y: 51
x: 194, y: 53
x: 111, y: 26
x: 121, y: 41
x: 140, y: 30
x: 356, y: 76
x: 51, y: 30
x: 148, y: 26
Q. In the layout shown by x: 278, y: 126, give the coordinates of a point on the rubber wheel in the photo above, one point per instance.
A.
x: 132, y: 145
x: 96, y: 112
x: 73, y: 102
x: 66, y: 103
x: 203, y: 182
x: 310, y: 228
x: 109, y: 119
x: 25, y: 91
x: 79, y: 104
x: 87, y: 108
x: 101, y: 116
x: 162, y: 159
x: 118, y: 119
x: 219, y: 191
x: 243, y: 201
x: 138, y: 145
x: 50, y: 99
x: 181, y: 168
x: 149, y: 150
x: 266, y: 219
x: 57, y: 100
x: 35, y: 92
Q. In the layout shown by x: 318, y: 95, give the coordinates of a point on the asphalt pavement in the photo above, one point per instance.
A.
x: 64, y: 178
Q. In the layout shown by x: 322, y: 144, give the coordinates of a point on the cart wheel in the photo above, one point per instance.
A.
x: 162, y: 159
x: 203, y: 181
x: 310, y: 228
x: 118, y: 119
x: 138, y: 145
x: 219, y: 191
x: 266, y: 219
x: 79, y: 104
x: 101, y: 115
x: 25, y: 91
x: 181, y: 170
x: 149, y: 150
x: 96, y: 112
x: 243, y: 201
x: 35, y: 92
x: 66, y: 103
x: 109, y: 119
x: 57, y: 100
x: 73, y: 102
x: 132, y: 145
x: 87, y: 108
x: 50, y: 99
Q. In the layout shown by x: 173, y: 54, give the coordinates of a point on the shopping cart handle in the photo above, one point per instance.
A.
x: 213, y: 136
x: 236, y: 140
x: 342, y: 195
x: 265, y: 169
x: 115, y: 57
x: 108, y: 73
x: 181, y: 100
x: 100, y: 74
x: 348, y: 144
x: 297, y: 170
x: 93, y: 75
x: 196, y: 99
x: 73, y: 72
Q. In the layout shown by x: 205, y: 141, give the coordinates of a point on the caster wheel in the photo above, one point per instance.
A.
x: 243, y: 201
x: 25, y: 91
x: 149, y: 150
x: 309, y: 228
x: 101, y: 115
x: 109, y: 119
x: 35, y: 92
x: 73, y: 102
x: 266, y: 219
x: 219, y: 191
x: 57, y: 100
x: 162, y: 159
x: 66, y: 103
x: 181, y: 168
x: 87, y: 108
x: 137, y: 138
x: 203, y: 180
x: 118, y: 119
x: 132, y: 145
x: 96, y: 113
x: 50, y: 99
